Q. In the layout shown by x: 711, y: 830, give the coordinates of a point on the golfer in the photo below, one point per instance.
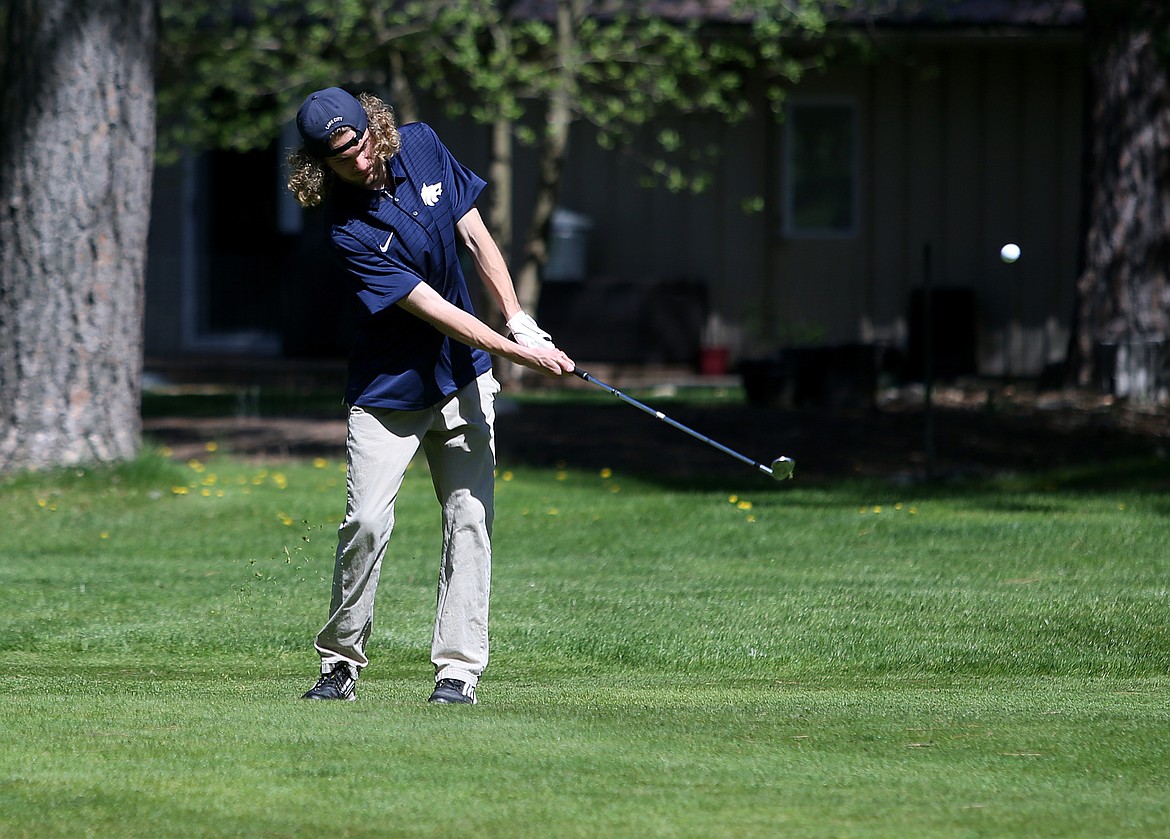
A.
x: 419, y: 371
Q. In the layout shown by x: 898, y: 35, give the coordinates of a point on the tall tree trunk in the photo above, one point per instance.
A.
x: 401, y: 91
x: 76, y: 161
x: 500, y: 172
x: 1122, y: 325
x: 500, y: 211
x: 553, y: 152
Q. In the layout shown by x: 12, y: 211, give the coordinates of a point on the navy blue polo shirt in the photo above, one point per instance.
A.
x: 390, y: 241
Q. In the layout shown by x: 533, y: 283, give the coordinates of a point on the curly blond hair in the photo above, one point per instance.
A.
x: 309, y: 179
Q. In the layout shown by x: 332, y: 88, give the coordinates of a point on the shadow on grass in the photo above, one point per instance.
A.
x: 974, y: 450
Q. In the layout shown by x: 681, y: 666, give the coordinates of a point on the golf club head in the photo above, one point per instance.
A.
x: 782, y: 468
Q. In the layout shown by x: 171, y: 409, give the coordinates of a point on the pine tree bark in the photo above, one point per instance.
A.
x: 1121, y: 334
x: 76, y: 162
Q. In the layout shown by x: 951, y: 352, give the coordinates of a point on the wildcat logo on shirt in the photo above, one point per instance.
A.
x: 430, y: 193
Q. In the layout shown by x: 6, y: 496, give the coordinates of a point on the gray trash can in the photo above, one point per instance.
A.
x: 568, y: 243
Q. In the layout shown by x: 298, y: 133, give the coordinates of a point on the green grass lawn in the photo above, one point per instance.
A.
x: 756, y: 660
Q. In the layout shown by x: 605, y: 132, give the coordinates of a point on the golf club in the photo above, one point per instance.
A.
x: 781, y: 468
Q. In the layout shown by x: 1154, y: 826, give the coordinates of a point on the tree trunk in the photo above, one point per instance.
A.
x: 501, y: 171
x: 76, y: 161
x: 1121, y: 332
x: 401, y: 91
x: 552, y: 157
x: 500, y: 211
x: 554, y: 149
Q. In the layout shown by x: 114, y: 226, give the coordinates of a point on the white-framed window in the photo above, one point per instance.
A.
x: 821, y: 168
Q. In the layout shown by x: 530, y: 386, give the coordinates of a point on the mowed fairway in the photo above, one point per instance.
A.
x: 749, y: 660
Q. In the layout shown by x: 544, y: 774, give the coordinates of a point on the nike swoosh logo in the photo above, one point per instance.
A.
x: 386, y: 247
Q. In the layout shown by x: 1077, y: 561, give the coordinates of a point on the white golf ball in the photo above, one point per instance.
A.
x: 1009, y: 253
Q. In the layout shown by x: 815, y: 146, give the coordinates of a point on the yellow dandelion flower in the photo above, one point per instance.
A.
x: 195, y: 465
x: 913, y: 511
x: 105, y: 534
x: 320, y: 463
x: 562, y: 475
x: 508, y: 476
x: 209, y: 479
x: 606, y: 473
x: 553, y: 511
x: 751, y: 519
x: 205, y: 492
x: 898, y: 506
x: 285, y: 519
x: 178, y: 490
x: 42, y: 502
x: 877, y: 509
x: 166, y: 451
x: 212, y: 446
x: 731, y: 499
x: 744, y: 505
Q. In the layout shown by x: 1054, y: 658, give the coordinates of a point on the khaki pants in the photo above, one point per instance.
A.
x: 458, y: 438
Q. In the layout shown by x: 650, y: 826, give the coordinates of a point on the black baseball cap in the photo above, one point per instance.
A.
x: 323, y: 113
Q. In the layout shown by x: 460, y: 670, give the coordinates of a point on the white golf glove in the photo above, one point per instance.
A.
x: 526, y: 333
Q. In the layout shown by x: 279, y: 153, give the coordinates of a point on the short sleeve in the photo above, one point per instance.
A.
x: 380, y: 282
x: 464, y: 185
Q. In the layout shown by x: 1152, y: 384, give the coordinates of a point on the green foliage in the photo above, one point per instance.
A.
x: 752, y: 660
x: 234, y: 79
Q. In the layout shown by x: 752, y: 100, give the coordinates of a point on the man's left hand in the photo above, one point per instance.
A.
x: 526, y: 333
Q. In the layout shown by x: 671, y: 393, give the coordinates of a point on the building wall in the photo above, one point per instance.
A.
x: 963, y: 145
x: 966, y: 148
x: 164, y: 267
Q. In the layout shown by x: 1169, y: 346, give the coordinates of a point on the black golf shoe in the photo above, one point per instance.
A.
x: 453, y: 692
x: 338, y: 683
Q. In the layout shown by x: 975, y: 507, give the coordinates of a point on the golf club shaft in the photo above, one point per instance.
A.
x: 767, y: 470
